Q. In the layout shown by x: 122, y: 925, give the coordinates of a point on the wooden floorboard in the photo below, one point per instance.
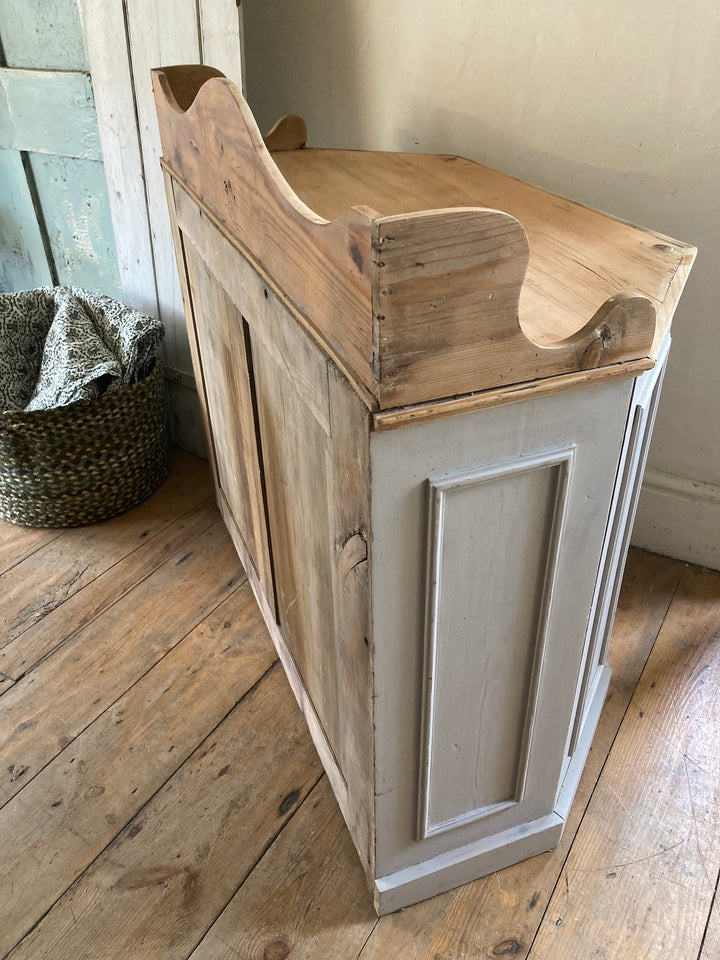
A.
x: 78, y: 803
x: 65, y: 564
x: 711, y: 938
x: 14, y: 549
x: 162, y: 882
x: 641, y: 875
x: 162, y: 797
x: 52, y: 704
x: 306, y: 899
x: 82, y: 608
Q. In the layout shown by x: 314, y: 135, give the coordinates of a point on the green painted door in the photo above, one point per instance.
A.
x: 55, y: 225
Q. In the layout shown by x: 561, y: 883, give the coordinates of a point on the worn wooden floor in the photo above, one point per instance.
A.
x: 160, y: 796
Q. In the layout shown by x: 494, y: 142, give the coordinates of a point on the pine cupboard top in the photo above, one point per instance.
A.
x: 578, y: 257
x: 425, y: 277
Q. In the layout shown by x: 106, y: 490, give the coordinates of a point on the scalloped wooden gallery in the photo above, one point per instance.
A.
x: 429, y: 391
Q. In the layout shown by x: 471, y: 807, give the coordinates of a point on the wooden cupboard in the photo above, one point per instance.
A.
x: 429, y: 391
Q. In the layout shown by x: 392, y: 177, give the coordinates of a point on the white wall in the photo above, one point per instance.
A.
x: 612, y: 104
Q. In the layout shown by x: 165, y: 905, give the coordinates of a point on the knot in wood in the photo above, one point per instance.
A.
x: 276, y: 950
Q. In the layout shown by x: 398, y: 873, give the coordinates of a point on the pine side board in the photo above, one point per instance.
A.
x: 429, y: 391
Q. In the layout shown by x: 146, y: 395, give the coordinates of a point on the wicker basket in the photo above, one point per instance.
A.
x: 84, y: 462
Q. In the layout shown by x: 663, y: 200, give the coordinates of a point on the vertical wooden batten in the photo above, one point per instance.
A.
x: 161, y: 29
x: 221, y: 37
x: 124, y: 41
x: 105, y: 31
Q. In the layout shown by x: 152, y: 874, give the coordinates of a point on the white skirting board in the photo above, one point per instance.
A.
x: 680, y: 518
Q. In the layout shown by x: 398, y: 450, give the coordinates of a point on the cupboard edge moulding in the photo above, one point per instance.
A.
x: 429, y: 391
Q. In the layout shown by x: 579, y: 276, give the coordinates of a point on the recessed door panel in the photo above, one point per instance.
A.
x: 221, y: 334
x: 493, y: 545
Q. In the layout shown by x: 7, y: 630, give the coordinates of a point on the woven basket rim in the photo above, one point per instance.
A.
x: 84, y: 462
x: 68, y: 411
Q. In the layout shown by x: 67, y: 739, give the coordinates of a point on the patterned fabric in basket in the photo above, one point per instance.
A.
x: 83, y: 422
x: 59, y: 345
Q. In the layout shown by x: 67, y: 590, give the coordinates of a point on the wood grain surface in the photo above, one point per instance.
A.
x: 649, y: 845
x: 213, y: 835
x: 48, y: 708
x: 222, y: 336
x: 465, y: 281
x: 600, y: 255
x: 80, y: 608
x: 306, y: 899
x: 14, y: 549
x: 216, y: 151
x: 74, y: 807
x: 296, y: 479
x: 446, y: 301
x: 71, y: 559
x: 161, y: 883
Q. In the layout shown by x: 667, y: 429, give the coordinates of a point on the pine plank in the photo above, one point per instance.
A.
x: 288, y: 133
x: 421, y: 413
x: 40, y: 104
x: 69, y: 562
x: 447, y: 292
x: 158, y: 887
x: 23, y: 261
x: 220, y: 37
x: 316, y: 460
x: 103, y: 26
x: 50, y: 706
x: 42, y: 34
x: 72, y: 194
x: 443, y: 256
x: 349, y: 514
x: 306, y: 896
x: 648, y: 587
x: 579, y: 257
x: 17, y: 543
x: 198, y: 418
x: 161, y: 31
x: 66, y: 816
x: 711, y: 945
x: 499, y: 915
x: 306, y: 899
x: 81, y: 608
x: 296, y: 453
x: 221, y: 338
x: 641, y: 874
x: 5, y: 683
x: 324, y: 268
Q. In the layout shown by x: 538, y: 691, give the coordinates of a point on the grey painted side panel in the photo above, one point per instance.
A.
x: 519, y: 558
x: 486, y: 631
x: 645, y: 399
